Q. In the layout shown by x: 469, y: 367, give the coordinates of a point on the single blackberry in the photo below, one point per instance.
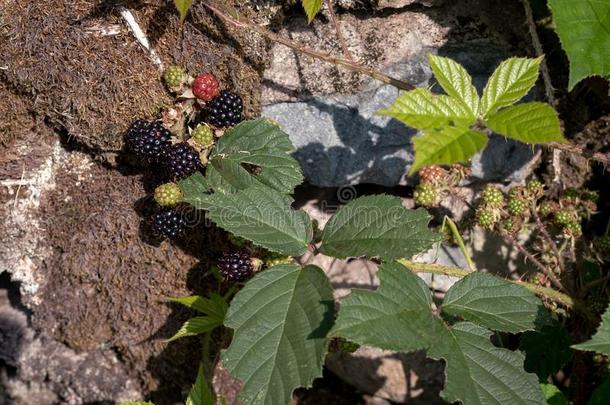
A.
x: 592, y: 196
x: 168, y: 223
x: 168, y: 194
x: 536, y: 188
x: 572, y: 228
x: 433, y: 175
x: 485, y: 218
x: 181, y: 160
x: 563, y: 217
x: 571, y: 193
x: 205, y: 87
x: 174, y: 76
x: 492, y: 197
x: 426, y: 195
x: 235, y: 266
x: 148, y: 141
x: 516, y: 206
x: 203, y: 136
x: 545, y: 209
x: 225, y: 110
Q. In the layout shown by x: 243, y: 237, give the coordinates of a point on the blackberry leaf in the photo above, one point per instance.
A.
x: 456, y: 82
x: 529, y: 123
x: 377, y: 226
x: 600, y: 342
x: 280, y: 321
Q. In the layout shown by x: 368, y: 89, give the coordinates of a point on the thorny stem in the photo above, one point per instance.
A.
x: 545, y: 234
x: 551, y: 294
x: 243, y: 22
x: 460, y: 241
x: 340, y: 37
x: 548, y: 272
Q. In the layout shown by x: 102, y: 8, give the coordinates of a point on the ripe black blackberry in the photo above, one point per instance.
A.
x: 180, y: 161
x: 225, y: 109
x: 235, y: 266
x: 168, y: 223
x: 147, y: 140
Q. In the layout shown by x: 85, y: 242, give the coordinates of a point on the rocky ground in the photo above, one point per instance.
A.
x: 83, y: 285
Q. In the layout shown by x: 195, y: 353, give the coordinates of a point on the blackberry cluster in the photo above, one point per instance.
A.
x: 225, y: 110
x: 180, y: 161
x: 168, y: 223
x: 235, y: 266
x: 148, y: 140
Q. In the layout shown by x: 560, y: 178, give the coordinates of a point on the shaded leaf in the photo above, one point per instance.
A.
x: 264, y: 216
x: 583, y: 28
x: 547, y: 350
x: 451, y: 145
x: 194, y: 188
x: 509, y: 83
x: 600, y: 394
x: 553, y: 395
x: 280, y: 321
x: 377, y: 226
x: 600, y: 342
x: 423, y: 110
x: 528, y: 123
x: 215, y: 306
x: 196, y: 326
x: 494, y: 303
x: 312, y: 7
x: 201, y: 393
x: 456, y: 82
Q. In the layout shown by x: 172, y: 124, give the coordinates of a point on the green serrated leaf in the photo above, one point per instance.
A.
x: 201, y: 393
x: 479, y: 373
x: 183, y: 7
x: 510, y: 82
x: 312, y: 7
x: 263, y: 216
x: 377, y: 226
x: 196, y: 326
x: 451, y: 145
x: 194, y: 188
x: 553, y: 395
x: 583, y: 28
x: 215, y: 306
x: 494, y: 303
x: 547, y: 350
x: 280, y: 320
x: 254, y: 152
x: 600, y: 342
x: 396, y: 316
x: 531, y: 123
x: 423, y: 110
x: 600, y: 394
x: 456, y: 82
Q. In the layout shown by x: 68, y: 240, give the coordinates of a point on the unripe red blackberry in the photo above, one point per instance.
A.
x: 174, y: 76
x: 492, y: 197
x: 433, y: 174
x: 235, y: 266
x: 168, y: 195
x: 180, y: 161
x: 225, y: 110
x: 426, y: 195
x: 485, y: 218
x: 205, y: 87
x: 148, y: 140
x: 203, y: 136
x: 168, y: 223
x: 515, y: 206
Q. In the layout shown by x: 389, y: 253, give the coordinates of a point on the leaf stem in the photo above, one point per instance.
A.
x: 460, y: 242
x: 549, y: 293
x: 337, y: 26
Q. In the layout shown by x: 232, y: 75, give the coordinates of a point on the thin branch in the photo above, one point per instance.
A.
x: 460, y: 241
x: 548, y: 272
x: 243, y: 22
x: 549, y: 293
x: 578, y: 150
x: 340, y: 37
x: 543, y: 230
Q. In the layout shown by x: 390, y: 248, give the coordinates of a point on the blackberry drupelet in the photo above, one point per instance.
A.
x: 168, y: 223
x: 235, y: 266
x: 180, y: 161
x: 148, y: 140
x: 225, y: 110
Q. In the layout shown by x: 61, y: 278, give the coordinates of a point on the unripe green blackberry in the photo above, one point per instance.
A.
x: 571, y: 193
x: 485, y: 218
x: 604, y: 243
x: 545, y: 209
x: 492, y: 197
x: 203, y: 136
x: 168, y: 194
x: 512, y: 225
x: 563, y: 217
x: 174, y: 76
x: 515, y: 206
x: 572, y: 228
x: 276, y: 259
x: 426, y: 195
x: 536, y: 188
x: 592, y: 196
